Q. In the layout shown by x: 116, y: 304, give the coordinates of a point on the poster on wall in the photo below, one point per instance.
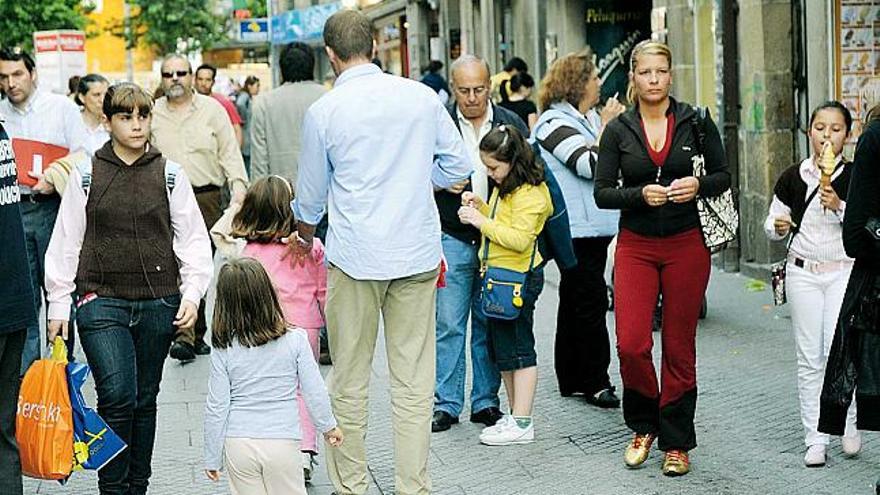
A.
x: 59, y: 54
x: 858, y: 57
x: 612, y: 29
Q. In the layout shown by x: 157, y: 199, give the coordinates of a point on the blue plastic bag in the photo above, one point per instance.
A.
x: 94, y: 443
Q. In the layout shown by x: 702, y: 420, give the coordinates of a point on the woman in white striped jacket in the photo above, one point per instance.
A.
x: 568, y: 133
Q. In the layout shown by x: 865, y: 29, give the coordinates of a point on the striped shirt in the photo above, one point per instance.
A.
x: 574, y: 149
x: 821, y: 231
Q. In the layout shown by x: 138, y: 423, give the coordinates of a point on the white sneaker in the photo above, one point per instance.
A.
x: 509, y: 434
x: 308, y: 463
x: 851, y: 445
x: 815, y: 456
x: 497, y: 426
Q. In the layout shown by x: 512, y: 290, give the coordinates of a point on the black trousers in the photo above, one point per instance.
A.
x: 11, y: 345
x: 582, y: 349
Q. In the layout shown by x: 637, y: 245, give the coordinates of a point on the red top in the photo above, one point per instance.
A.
x: 229, y: 107
x: 659, y: 157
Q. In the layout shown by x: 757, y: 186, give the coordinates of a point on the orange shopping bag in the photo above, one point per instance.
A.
x: 44, y: 419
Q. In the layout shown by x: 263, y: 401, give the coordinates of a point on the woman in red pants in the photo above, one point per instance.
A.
x: 660, y: 249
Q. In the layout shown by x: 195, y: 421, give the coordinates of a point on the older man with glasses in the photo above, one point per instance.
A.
x: 194, y: 131
x: 475, y: 116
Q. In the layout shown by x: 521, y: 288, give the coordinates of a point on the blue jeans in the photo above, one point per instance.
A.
x: 455, y: 302
x: 38, y: 219
x: 126, y: 343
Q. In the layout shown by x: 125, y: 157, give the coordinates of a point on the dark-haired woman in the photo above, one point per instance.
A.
x: 136, y: 270
x: 810, y: 212
x: 520, y: 88
x: 854, y: 360
x: 90, y: 91
x: 510, y: 223
x: 653, y: 148
x: 568, y: 132
x: 243, y: 103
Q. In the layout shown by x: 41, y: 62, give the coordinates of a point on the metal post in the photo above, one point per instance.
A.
x: 129, y: 59
x: 730, y: 82
x: 273, y: 50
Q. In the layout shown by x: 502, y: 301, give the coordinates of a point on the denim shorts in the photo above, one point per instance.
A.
x: 513, y: 341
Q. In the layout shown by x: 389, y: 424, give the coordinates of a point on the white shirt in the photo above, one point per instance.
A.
x: 96, y: 137
x: 191, y: 244
x: 372, y: 150
x: 48, y: 118
x: 820, y: 238
x: 472, y: 138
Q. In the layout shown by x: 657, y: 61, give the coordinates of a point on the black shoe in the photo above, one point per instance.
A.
x: 442, y: 421
x: 604, y: 398
x: 183, y: 352
x: 202, y: 348
x: 488, y: 416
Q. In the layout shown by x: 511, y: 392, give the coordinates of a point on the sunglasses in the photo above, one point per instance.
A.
x: 179, y: 73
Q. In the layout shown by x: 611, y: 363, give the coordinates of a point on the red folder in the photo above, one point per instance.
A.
x: 34, y: 156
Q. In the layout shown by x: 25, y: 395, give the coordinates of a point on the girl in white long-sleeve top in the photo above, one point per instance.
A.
x: 809, y: 211
x: 252, y: 422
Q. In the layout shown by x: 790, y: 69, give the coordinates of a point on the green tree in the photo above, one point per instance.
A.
x: 20, y: 18
x: 170, y: 26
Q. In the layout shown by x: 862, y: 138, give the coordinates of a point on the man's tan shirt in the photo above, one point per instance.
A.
x: 201, y: 139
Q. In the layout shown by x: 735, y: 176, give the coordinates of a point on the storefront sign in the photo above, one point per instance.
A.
x: 254, y: 30
x: 59, y: 54
x: 302, y: 24
x: 612, y: 29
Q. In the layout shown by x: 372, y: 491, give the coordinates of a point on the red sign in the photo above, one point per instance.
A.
x: 242, y: 14
x: 65, y: 41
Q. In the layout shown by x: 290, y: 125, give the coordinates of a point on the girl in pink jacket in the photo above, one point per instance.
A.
x: 255, y: 228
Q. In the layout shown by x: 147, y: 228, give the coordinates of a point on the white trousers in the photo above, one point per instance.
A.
x: 815, y: 305
x: 257, y: 466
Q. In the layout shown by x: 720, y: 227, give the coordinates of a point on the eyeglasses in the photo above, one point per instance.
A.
x: 179, y: 73
x: 478, y: 91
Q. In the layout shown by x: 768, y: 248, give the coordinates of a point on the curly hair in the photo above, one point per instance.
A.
x: 567, y: 79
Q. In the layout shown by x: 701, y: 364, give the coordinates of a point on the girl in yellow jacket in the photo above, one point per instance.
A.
x: 510, y: 223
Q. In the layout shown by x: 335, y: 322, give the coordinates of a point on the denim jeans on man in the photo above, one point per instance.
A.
x: 126, y: 343
x: 455, y: 302
x: 38, y: 219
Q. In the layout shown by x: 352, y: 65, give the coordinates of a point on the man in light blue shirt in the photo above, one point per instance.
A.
x: 375, y: 148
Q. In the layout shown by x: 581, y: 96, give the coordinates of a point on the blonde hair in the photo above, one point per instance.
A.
x: 567, y: 79
x: 646, y: 47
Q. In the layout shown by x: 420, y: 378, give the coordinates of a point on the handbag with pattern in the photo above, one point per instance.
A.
x: 719, y: 218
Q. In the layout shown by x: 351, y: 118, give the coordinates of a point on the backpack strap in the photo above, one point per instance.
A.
x: 171, y: 171
x: 84, y: 168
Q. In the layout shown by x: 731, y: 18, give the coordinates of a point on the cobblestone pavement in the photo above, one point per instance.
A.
x: 748, y: 427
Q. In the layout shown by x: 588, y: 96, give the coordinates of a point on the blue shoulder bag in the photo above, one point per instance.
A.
x: 503, y: 289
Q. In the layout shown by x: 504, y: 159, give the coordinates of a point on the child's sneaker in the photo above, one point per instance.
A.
x: 501, y: 422
x: 509, y: 433
x: 308, y: 463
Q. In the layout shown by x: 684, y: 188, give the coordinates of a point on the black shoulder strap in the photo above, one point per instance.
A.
x: 698, y: 121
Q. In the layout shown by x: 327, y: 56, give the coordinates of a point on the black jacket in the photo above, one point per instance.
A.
x: 623, y: 152
x: 16, y: 291
x: 854, y: 360
x: 448, y: 203
x: 791, y: 189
